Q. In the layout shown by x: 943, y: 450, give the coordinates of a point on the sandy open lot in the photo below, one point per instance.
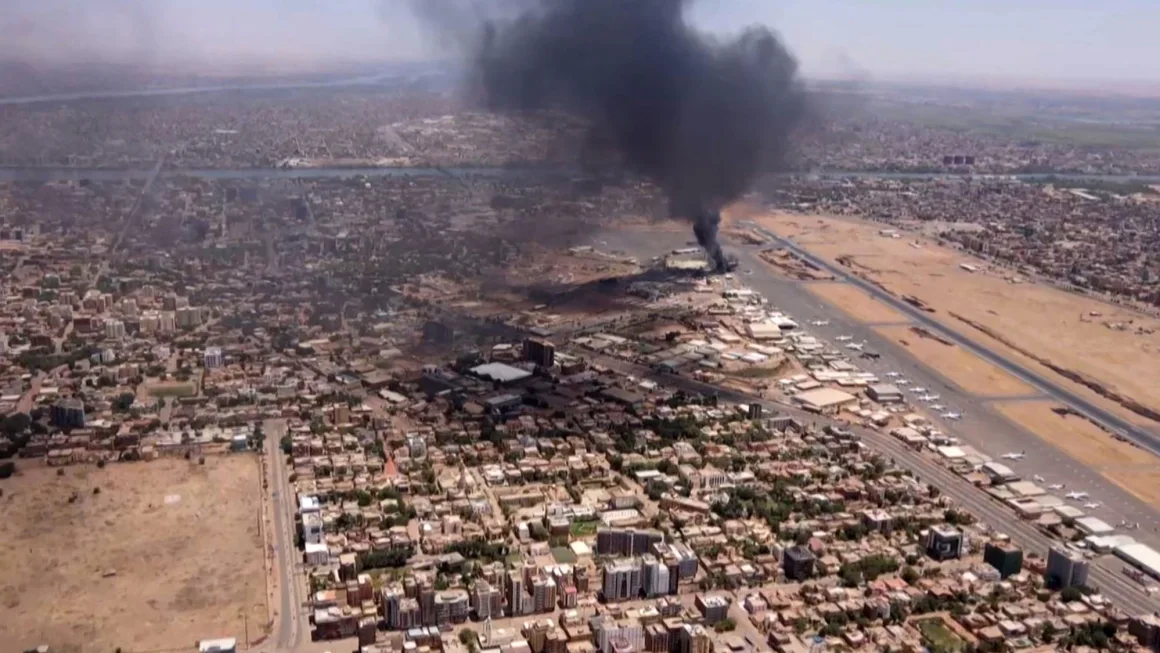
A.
x: 183, y: 540
x: 856, y: 303
x: 1131, y: 468
x: 1052, y: 324
x: 961, y: 367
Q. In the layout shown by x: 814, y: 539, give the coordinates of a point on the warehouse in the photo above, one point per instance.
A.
x: 825, y: 401
x: 1142, y: 556
x: 884, y: 393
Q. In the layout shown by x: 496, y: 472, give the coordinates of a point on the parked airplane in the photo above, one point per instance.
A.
x: 844, y: 338
x: 820, y: 323
x: 938, y: 407
x: 1015, y: 455
x: 919, y: 389
x: 1056, y: 486
x: 1092, y: 505
x: 856, y: 346
x: 1077, y: 495
x: 1037, y: 478
x: 901, y: 382
x: 893, y: 374
x: 952, y: 415
x: 929, y: 398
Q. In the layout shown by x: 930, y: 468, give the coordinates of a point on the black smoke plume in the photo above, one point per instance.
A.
x: 700, y: 117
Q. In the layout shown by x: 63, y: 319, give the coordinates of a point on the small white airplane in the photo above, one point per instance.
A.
x: 938, y: 407
x: 820, y: 323
x: 902, y: 382
x: 1037, y: 478
x: 929, y: 397
x: 919, y: 389
x: 1093, y: 505
x: 844, y: 338
x: 892, y: 374
x: 856, y: 346
x: 1056, y: 486
x: 1015, y: 455
x: 1077, y: 495
x: 952, y: 415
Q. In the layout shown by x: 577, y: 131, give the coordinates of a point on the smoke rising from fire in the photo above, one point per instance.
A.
x: 699, y: 116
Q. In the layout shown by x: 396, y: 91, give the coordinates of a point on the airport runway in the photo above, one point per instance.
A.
x: 982, y: 428
x: 1140, y: 436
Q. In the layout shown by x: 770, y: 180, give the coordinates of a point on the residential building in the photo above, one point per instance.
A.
x: 944, y: 542
x: 68, y: 413
x: 1065, y: 568
x: 626, y: 541
x: 517, y: 598
x: 451, y: 607
x: 1005, y: 557
x: 540, y: 352
x: 656, y: 576
x: 213, y: 358
x: 543, y: 594
x: 487, y: 601
x: 798, y: 563
x: 114, y: 329
x: 713, y: 608
x: 622, y: 580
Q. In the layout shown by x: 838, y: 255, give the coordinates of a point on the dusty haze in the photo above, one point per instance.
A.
x: 210, y: 36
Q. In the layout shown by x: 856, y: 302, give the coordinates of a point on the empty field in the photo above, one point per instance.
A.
x: 856, y: 303
x: 961, y: 367
x: 1131, y: 468
x: 167, y: 553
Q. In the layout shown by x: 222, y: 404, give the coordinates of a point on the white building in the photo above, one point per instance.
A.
x: 317, y: 555
x: 312, y: 527
x: 114, y: 329
x: 213, y: 358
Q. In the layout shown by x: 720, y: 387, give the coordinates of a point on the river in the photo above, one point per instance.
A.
x: 65, y: 173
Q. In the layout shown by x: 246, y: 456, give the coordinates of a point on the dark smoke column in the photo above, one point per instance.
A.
x: 700, y: 117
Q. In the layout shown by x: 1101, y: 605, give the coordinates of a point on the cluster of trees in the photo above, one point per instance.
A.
x: 725, y: 625
x: 867, y: 569
x: 44, y: 358
x: 387, y: 559
x: 476, y: 549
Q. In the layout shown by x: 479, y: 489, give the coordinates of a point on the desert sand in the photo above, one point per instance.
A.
x: 167, y: 553
x: 856, y: 303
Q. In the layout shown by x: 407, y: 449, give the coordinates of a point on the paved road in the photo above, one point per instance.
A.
x: 1124, y: 592
x: 1108, y: 420
x: 983, y: 428
x: 292, y: 619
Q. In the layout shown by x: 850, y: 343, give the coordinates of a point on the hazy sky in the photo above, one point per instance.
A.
x: 1061, y: 40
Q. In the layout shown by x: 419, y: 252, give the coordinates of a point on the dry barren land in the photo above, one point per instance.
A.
x: 964, y: 369
x: 1032, y: 323
x: 167, y: 553
x: 857, y: 304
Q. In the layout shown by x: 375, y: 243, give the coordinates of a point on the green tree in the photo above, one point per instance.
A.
x: 725, y: 625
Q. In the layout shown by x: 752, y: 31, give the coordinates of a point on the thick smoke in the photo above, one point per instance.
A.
x: 700, y: 117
